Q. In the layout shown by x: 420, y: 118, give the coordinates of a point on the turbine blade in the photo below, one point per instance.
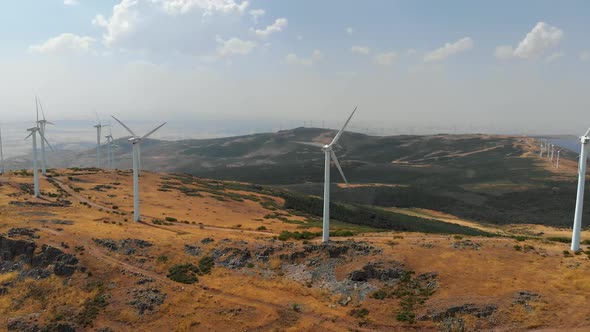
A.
x: 51, y: 123
x: 587, y: 132
x: 46, y: 141
x: 41, y: 107
x: 153, y: 131
x: 31, y: 134
x: 124, y: 126
x: 338, y: 165
x: 337, y: 137
x: 317, y: 145
x: 37, y: 107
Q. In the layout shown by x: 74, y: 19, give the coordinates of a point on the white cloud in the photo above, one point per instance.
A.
x: 360, y: 50
x: 385, y: 59
x: 256, y: 14
x: 349, y: 30
x: 210, y: 7
x: 70, y: 2
x: 234, y: 46
x: 277, y: 26
x: 585, y: 56
x: 293, y: 59
x: 541, y: 38
x: 66, y: 43
x: 554, y: 56
x: 448, y: 49
x: 165, y: 24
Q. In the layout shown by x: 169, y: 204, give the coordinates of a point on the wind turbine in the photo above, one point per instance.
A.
x: 98, y: 127
x: 580, y: 194
x: 329, y: 154
x: 110, y: 139
x: 41, y: 124
x: 136, y: 142
x: 33, y: 133
x: 557, y: 163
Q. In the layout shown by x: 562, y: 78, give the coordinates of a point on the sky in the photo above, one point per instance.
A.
x: 411, y: 66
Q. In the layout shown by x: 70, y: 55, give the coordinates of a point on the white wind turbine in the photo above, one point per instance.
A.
x: 580, y: 194
x: 98, y: 127
x: 557, y: 163
x: 329, y: 154
x: 136, y: 142
x: 110, y: 140
x: 33, y: 133
x: 41, y: 124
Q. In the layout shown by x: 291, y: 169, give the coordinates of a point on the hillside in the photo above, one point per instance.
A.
x: 494, y: 179
x: 223, y: 256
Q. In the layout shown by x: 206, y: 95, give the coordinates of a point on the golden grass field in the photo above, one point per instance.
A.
x: 262, y: 297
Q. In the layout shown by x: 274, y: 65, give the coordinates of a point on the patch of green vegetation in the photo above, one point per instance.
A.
x: 171, y: 219
x: 206, y: 263
x: 184, y: 273
x: 261, y: 228
x: 305, y: 235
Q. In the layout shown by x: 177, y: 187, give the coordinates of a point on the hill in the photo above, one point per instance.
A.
x: 493, y: 179
x: 216, y: 255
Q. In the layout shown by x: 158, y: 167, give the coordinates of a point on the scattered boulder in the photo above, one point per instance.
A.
x: 192, y: 250
x: 466, y: 244
x: 126, y: 246
x: 376, y: 271
x: 233, y: 258
x: 27, y: 232
x: 146, y: 300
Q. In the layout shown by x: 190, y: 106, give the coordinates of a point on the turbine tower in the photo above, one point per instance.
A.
x: 98, y: 127
x: 136, y: 142
x: 33, y: 133
x: 580, y: 194
x: 110, y: 139
x: 328, y: 155
x: 41, y: 124
x: 557, y: 163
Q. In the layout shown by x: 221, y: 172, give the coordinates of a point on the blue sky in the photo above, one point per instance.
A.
x: 515, y: 66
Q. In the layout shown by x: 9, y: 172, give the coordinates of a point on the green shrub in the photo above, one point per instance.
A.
x: 206, y: 264
x: 359, y: 313
x: 379, y: 295
x: 170, y: 219
x: 184, y: 273
x: 406, y: 316
x: 261, y: 228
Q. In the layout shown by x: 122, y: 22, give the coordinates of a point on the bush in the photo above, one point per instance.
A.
x: 206, y: 264
x: 379, y: 295
x: 170, y: 219
x: 359, y: 313
x: 162, y: 259
x: 261, y: 228
x: 184, y: 273
x: 305, y: 235
x: 517, y: 248
x: 406, y: 316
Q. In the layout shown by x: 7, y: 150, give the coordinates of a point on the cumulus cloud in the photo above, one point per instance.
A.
x: 449, y: 49
x: 234, y: 46
x: 277, y: 26
x: 165, y: 24
x: 540, y: 39
x: 385, y: 59
x: 256, y: 14
x: 585, y: 56
x: 293, y: 59
x: 360, y: 50
x: 66, y: 43
x: 70, y: 2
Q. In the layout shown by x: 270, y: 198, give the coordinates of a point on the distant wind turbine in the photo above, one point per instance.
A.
x: 136, y: 142
x: 41, y: 124
x: 557, y: 163
x: 110, y: 139
x: 580, y: 194
x: 329, y: 154
x: 98, y: 127
x: 33, y: 133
